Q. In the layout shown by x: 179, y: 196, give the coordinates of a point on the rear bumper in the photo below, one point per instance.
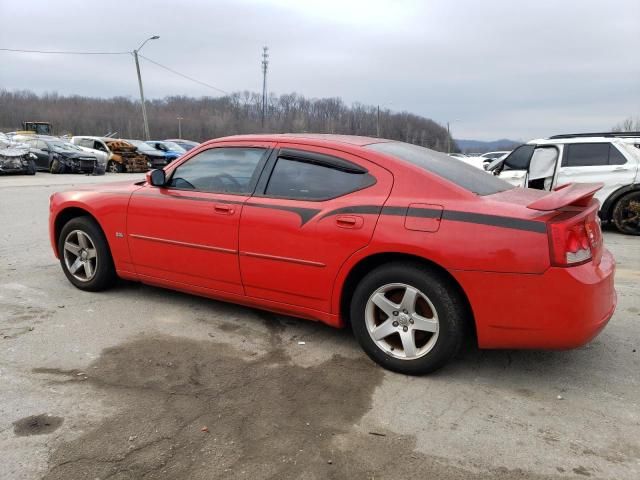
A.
x: 559, y: 309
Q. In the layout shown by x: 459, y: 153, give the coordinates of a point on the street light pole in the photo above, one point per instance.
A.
x: 179, y: 118
x: 144, y: 107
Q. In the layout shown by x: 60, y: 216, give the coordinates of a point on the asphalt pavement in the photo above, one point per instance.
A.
x: 141, y: 382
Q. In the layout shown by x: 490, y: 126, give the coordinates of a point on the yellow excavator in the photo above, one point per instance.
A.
x: 39, y: 128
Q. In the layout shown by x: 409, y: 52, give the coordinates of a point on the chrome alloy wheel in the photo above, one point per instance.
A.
x: 80, y: 256
x: 402, y: 321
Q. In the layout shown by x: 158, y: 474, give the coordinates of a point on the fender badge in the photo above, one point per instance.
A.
x: 119, y: 235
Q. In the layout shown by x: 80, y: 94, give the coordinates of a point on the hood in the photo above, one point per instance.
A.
x: 126, y: 186
x: 152, y: 153
x: 75, y: 155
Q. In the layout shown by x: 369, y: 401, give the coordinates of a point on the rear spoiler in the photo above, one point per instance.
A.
x: 577, y: 194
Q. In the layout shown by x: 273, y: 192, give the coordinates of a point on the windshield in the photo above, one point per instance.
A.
x: 174, y: 146
x: 61, y: 146
x: 451, y: 169
x: 143, y: 147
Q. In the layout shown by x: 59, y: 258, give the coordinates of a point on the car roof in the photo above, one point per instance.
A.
x: 556, y: 141
x: 325, y: 138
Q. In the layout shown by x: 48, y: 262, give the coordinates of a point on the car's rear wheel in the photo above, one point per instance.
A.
x: 408, y: 318
x: 85, y: 256
x: 114, y: 167
x: 626, y: 214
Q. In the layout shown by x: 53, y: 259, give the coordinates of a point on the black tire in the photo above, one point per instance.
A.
x: 104, y: 275
x: 446, y: 300
x: 114, y: 167
x: 56, y: 167
x: 31, y: 169
x: 626, y: 213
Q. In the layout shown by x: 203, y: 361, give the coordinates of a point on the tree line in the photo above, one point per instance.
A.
x: 210, y: 117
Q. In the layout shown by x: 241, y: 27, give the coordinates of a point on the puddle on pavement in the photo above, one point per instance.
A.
x: 36, y: 425
x: 200, y: 410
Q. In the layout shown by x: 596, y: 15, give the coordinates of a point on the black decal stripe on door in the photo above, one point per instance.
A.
x: 305, y: 214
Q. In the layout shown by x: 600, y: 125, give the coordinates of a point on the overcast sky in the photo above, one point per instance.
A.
x: 494, y: 69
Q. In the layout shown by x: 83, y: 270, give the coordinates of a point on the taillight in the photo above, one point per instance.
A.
x: 573, y: 241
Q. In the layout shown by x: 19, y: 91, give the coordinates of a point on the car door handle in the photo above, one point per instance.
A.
x: 223, y: 209
x: 349, y: 221
x: 620, y: 169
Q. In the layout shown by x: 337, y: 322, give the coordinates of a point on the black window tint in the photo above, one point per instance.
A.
x: 452, y: 169
x: 519, y: 159
x: 586, y: 154
x: 615, y: 156
x: 221, y: 170
x: 311, y: 181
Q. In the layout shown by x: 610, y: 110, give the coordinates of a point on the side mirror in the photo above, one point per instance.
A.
x: 156, y: 178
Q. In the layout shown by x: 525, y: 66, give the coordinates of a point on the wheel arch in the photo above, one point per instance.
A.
x: 67, y: 214
x: 375, y: 260
x: 606, y: 211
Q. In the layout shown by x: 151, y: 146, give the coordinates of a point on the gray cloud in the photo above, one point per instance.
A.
x: 493, y: 69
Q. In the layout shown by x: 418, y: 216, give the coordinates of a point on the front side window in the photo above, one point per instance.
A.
x: 100, y: 146
x: 586, y: 154
x: 220, y: 170
x: 302, y: 180
x: 519, y: 158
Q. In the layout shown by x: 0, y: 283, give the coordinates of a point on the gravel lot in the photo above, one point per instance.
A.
x: 143, y: 382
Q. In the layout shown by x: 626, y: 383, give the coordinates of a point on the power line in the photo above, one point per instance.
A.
x: 60, y: 52
x: 183, y: 75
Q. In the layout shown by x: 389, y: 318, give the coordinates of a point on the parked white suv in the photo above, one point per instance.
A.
x: 610, y: 158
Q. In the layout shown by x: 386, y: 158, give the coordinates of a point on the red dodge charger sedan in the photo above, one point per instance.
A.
x: 410, y: 247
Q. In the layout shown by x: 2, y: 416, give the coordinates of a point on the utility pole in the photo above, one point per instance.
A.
x: 265, y: 65
x: 378, y: 123
x: 147, y: 136
x: 448, y: 139
x: 179, y: 118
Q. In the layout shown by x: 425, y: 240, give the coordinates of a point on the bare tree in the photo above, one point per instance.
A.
x: 209, y: 117
x: 627, y: 125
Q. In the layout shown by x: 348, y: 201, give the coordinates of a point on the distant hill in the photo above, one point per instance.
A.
x: 479, y: 146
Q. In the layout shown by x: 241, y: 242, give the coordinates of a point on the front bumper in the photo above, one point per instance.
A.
x: 6, y: 168
x: 559, y: 309
x: 158, y: 162
x: 78, y: 166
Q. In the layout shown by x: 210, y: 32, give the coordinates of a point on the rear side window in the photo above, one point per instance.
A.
x: 592, y: 154
x: 220, y: 170
x: 300, y: 180
x: 615, y: 156
x: 456, y: 171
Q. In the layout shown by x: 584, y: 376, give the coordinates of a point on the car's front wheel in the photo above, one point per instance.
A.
x: 408, y: 318
x: 114, y: 167
x: 56, y: 167
x: 85, y: 256
x: 626, y: 213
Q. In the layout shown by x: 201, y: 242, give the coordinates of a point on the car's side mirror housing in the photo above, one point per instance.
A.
x: 156, y: 178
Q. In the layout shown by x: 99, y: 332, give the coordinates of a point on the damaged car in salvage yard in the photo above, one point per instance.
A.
x: 57, y: 156
x: 353, y: 231
x: 16, y: 158
x: 122, y: 156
